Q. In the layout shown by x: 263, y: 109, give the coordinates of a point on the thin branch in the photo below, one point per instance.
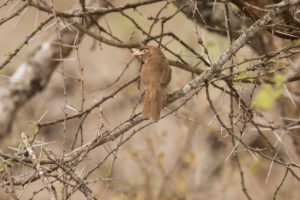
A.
x: 281, y: 183
x: 11, y: 55
x: 38, y: 167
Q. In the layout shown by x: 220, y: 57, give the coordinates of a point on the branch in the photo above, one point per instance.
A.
x: 33, y: 75
x: 38, y: 167
x: 26, y: 41
x: 103, y: 39
x: 16, y: 13
x: 98, y: 12
x: 198, y: 82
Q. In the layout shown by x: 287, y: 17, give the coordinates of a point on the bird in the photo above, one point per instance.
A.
x: 155, y: 77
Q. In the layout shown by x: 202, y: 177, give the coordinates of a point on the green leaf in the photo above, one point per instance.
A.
x: 34, y: 130
x: 2, y: 71
x: 7, y: 53
x: 272, y: 70
x: 8, y: 162
x: 251, y: 80
x: 298, y: 41
x: 35, y: 29
x: 1, y: 166
x: 20, y: 45
x: 106, y: 170
x: 268, y: 94
x: 278, y: 79
x: 241, y: 75
x: 265, y: 98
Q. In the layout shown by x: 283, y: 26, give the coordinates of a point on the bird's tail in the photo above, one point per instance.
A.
x: 155, y: 104
x: 146, y: 106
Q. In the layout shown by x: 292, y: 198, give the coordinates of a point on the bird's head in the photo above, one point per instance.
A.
x: 148, y: 51
x: 143, y: 51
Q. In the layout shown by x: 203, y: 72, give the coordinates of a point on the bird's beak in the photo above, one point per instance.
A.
x: 137, y: 53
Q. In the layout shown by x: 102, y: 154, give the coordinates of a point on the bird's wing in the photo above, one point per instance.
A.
x: 145, y: 78
x: 166, y: 76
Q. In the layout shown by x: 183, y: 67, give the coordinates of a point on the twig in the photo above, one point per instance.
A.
x: 281, y: 183
x: 21, y: 45
x: 37, y: 166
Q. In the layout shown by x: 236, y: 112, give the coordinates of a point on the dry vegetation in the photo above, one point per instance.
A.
x: 70, y: 100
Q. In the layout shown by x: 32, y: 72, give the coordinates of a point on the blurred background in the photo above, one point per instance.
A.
x: 187, y: 154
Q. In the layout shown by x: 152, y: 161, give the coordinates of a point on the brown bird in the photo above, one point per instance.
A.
x: 155, y: 77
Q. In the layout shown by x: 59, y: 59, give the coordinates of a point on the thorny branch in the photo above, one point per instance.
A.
x: 224, y: 74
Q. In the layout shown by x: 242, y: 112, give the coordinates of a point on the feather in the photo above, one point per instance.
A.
x: 146, y: 106
x: 155, y: 77
x: 156, y: 104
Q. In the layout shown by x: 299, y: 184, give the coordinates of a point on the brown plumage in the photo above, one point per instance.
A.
x: 155, y: 77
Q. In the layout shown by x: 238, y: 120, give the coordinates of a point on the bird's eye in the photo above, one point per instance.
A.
x: 145, y: 51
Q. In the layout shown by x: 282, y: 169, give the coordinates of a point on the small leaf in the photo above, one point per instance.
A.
x: 35, y: 29
x: 278, y: 80
x: 20, y: 45
x: 264, y: 98
x: 241, y: 75
x: 8, y: 162
x: 251, y: 80
x: 7, y: 53
x: 2, y: 71
x: 267, y: 94
x: 34, y: 130
x: 131, y: 91
x: 106, y: 170
x: 1, y: 166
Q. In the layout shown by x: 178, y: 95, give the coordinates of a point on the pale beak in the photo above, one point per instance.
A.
x: 137, y: 53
